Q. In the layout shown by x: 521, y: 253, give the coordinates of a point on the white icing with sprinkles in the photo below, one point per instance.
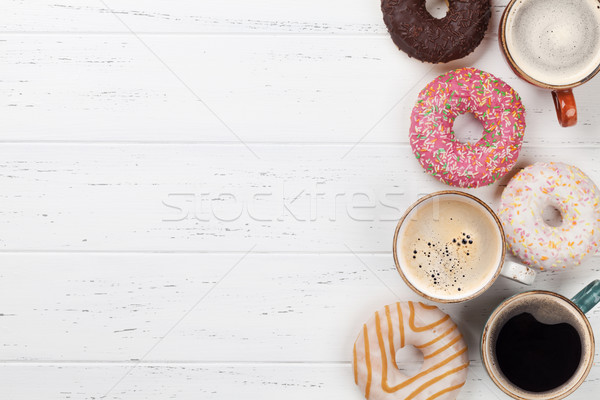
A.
x: 567, y: 189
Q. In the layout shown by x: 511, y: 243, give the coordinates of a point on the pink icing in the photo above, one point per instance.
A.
x: 493, y: 102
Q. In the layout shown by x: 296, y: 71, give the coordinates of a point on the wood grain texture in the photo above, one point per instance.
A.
x: 211, y: 16
x: 123, y: 88
x: 221, y: 198
x: 214, y: 382
x: 129, y: 204
x: 195, y: 307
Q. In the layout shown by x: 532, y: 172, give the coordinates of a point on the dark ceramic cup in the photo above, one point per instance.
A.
x: 548, y: 308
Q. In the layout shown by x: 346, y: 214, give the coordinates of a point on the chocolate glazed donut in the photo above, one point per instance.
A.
x: 424, y: 37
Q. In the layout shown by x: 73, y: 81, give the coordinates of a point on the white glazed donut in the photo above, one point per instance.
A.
x: 445, y: 363
x: 561, y: 186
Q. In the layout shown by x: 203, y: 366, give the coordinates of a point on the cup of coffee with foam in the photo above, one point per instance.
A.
x: 450, y: 246
x: 553, y: 44
x: 539, y: 344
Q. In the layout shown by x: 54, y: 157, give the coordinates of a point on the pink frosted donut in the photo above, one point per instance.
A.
x: 493, y: 102
x: 565, y: 188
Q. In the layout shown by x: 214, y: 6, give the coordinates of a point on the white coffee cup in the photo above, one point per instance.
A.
x: 450, y: 247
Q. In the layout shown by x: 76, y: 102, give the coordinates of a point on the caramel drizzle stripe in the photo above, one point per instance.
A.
x: 401, y: 325
x: 451, y: 329
x: 382, y: 351
x: 390, y: 335
x: 438, y: 351
x: 435, y: 380
x: 367, y: 360
x: 427, y: 307
x: 444, y: 391
x: 354, y: 364
x: 407, y: 382
x: 411, y: 320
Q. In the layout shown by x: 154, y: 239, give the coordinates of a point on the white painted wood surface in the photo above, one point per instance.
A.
x: 145, y: 252
x: 290, y: 88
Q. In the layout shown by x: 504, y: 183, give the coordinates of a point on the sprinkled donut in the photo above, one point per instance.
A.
x: 444, y: 369
x: 565, y: 188
x: 493, y: 102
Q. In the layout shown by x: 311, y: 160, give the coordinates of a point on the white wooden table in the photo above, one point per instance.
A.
x: 197, y: 198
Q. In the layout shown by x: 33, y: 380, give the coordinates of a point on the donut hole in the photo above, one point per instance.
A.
x: 467, y: 128
x: 409, y: 360
x: 437, y: 8
x: 552, y: 216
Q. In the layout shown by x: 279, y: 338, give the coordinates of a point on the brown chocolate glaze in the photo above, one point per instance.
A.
x: 420, y: 35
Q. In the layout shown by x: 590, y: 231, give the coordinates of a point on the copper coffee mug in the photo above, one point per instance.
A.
x: 553, y: 44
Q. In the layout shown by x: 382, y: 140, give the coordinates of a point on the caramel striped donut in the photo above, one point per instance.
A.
x: 445, y: 363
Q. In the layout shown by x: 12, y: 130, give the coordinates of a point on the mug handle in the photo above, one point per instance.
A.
x: 518, y: 272
x: 566, y: 109
x: 588, y: 297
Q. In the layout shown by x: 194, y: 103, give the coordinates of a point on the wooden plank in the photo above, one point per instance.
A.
x: 263, y: 16
x: 213, y: 382
x: 187, y: 308
x: 211, y: 198
x: 128, y: 206
x: 338, y: 89
x: 208, y: 16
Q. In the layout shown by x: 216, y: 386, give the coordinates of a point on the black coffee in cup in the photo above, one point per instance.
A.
x: 537, y: 357
x: 539, y: 345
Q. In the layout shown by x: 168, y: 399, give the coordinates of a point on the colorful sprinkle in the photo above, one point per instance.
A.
x: 493, y: 102
x: 565, y: 188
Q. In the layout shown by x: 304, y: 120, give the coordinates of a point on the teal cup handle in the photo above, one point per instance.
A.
x: 588, y: 297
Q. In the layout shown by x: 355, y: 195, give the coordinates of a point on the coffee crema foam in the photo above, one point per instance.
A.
x: 556, y: 42
x: 449, y: 247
